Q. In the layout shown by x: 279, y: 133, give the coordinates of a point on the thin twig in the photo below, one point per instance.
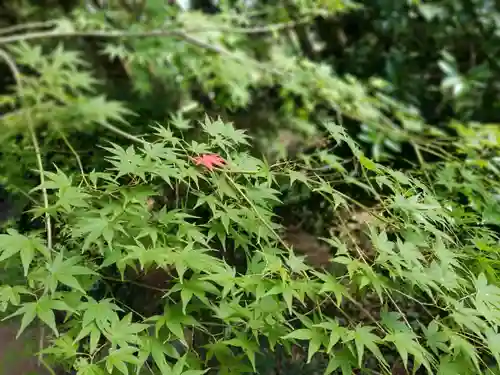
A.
x: 118, y: 131
x: 77, y: 157
x: 136, y: 283
x: 31, y: 127
x: 25, y: 26
x: 180, y: 33
x: 175, y: 32
x: 46, y: 366
x: 259, y: 216
x: 421, y: 161
x: 207, y: 46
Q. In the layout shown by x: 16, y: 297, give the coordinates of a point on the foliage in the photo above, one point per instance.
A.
x: 168, y: 246
x: 238, y: 64
x: 230, y: 282
x: 433, y: 52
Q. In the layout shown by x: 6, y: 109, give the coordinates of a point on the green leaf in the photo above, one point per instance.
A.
x: 158, y: 352
x: 336, y: 332
x: 224, y: 189
x: 85, y: 368
x: 436, y: 340
x: 218, y: 129
x: 72, y: 197
x: 363, y: 337
x: 463, y: 348
x: 450, y: 366
x: 314, y: 344
x: 392, y: 320
x: 95, y: 336
x: 179, y: 365
x: 47, y: 316
x: 120, y: 358
x: 103, y: 313
x: 13, y: 243
x: 186, y: 295
x: 29, y: 313
x: 332, y: 285
x: 300, y: 334
x: 124, y: 332
x: 64, y: 271
x: 297, y: 176
x: 175, y: 320
x: 368, y: 163
x: 11, y: 295
x: 342, y: 359
x: 405, y: 342
x: 249, y: 347
x: 57, y: 180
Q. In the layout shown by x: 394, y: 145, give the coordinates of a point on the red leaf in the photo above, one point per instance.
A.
x: 209, y: 161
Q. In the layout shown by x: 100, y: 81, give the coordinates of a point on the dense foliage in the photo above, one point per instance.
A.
x: 285, y: 187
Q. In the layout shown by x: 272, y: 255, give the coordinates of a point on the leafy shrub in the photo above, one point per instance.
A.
x: 173, y: 252
x: 228, y: 283
x: 238, y: 64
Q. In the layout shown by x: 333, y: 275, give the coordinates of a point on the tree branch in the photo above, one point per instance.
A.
x: 26, y: 26
x: 174, y: 32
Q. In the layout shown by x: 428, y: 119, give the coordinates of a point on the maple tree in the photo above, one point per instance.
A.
x: 205, y: 279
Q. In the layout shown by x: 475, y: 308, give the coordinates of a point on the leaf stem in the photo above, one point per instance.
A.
x: 264, y: 221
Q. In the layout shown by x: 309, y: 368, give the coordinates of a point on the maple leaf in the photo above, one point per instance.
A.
x: 209, y: 161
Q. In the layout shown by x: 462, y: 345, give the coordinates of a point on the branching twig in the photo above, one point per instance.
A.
x: 77, y: 157
x: 31, y: 127
x: 179, y: 33
x: 174, y: 32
